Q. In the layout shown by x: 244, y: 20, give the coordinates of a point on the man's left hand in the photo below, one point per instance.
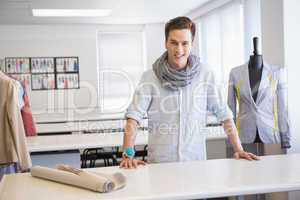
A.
x: 245, y: 155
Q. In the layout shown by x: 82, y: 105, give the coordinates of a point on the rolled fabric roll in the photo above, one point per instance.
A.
x: 76, y: 177
x: 118, y: 179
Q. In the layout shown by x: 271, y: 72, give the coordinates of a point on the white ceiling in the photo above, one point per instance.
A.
x: 123, y: 11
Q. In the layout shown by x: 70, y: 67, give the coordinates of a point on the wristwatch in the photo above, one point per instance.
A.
x: 129, y: 152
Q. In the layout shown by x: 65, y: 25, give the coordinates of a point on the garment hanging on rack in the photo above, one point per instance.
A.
x: 21, y: 94
x: 24, y: 103
x: 13, y: 148
x: 29, y: 125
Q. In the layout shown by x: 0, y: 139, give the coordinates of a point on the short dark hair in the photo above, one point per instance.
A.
x: 180, y: 23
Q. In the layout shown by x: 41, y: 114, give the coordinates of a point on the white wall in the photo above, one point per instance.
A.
x: 59, y: 40
x: 252, y: 24
x: 272, y: 31
x: 292, y: 61
x: 281, y: 41
x: 291, y: 46
x: 39, y: 41
x: 155, y: 42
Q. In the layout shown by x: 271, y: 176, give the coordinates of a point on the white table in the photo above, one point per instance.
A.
x: 186, y: 180
x: 76, y: 115
x: 55, y: 149
x: 61, y: 145
x: 76, y: 120
x: 1, y: 187
x: 80, y: 141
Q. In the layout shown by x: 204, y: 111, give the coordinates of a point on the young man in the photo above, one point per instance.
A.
x: 176, y: 95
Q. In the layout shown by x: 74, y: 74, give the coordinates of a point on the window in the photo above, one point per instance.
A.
x: 121, y: 64
x: 221, y: 39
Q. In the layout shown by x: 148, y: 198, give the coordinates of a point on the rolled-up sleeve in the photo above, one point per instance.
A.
x: 231, y: 99
x: 283, y: 119
x: 141, y: 100
x: 216, y: 102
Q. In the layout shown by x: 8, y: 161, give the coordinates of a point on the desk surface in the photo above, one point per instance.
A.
x: 83, y: 141
x: 80, y: 141
x: 76, y: 120
x: 76, y: 115
x: 186, y: 180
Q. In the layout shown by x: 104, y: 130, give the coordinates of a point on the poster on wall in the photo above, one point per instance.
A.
x: 17, y: 65
x: 67, y: 64
x: 42, y: 81
x: 42, y: 65
x: 67, y: 81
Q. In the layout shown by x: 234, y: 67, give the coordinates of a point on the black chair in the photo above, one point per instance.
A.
x: 94, y: 154
x: 140, y: 153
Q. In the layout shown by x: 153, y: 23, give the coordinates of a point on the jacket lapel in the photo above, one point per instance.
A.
x: 264, y: 83
x: 247, y: 88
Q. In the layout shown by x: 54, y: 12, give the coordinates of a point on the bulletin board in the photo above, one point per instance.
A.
x: 44, y: 73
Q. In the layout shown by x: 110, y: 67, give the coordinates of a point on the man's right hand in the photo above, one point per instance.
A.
x: 130, y: 163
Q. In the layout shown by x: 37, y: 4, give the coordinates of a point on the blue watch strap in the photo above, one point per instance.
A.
x: 129, y: 152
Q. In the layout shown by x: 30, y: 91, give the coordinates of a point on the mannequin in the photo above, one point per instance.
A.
x: 255, y: 67
x: 257, y: 97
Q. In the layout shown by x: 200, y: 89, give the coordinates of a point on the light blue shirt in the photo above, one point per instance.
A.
x: 20, y: 96
x: 177, y: 119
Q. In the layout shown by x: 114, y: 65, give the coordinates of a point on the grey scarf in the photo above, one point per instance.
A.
x: 174, y: 79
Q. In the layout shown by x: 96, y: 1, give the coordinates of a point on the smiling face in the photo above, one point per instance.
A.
x: 179, y: 45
